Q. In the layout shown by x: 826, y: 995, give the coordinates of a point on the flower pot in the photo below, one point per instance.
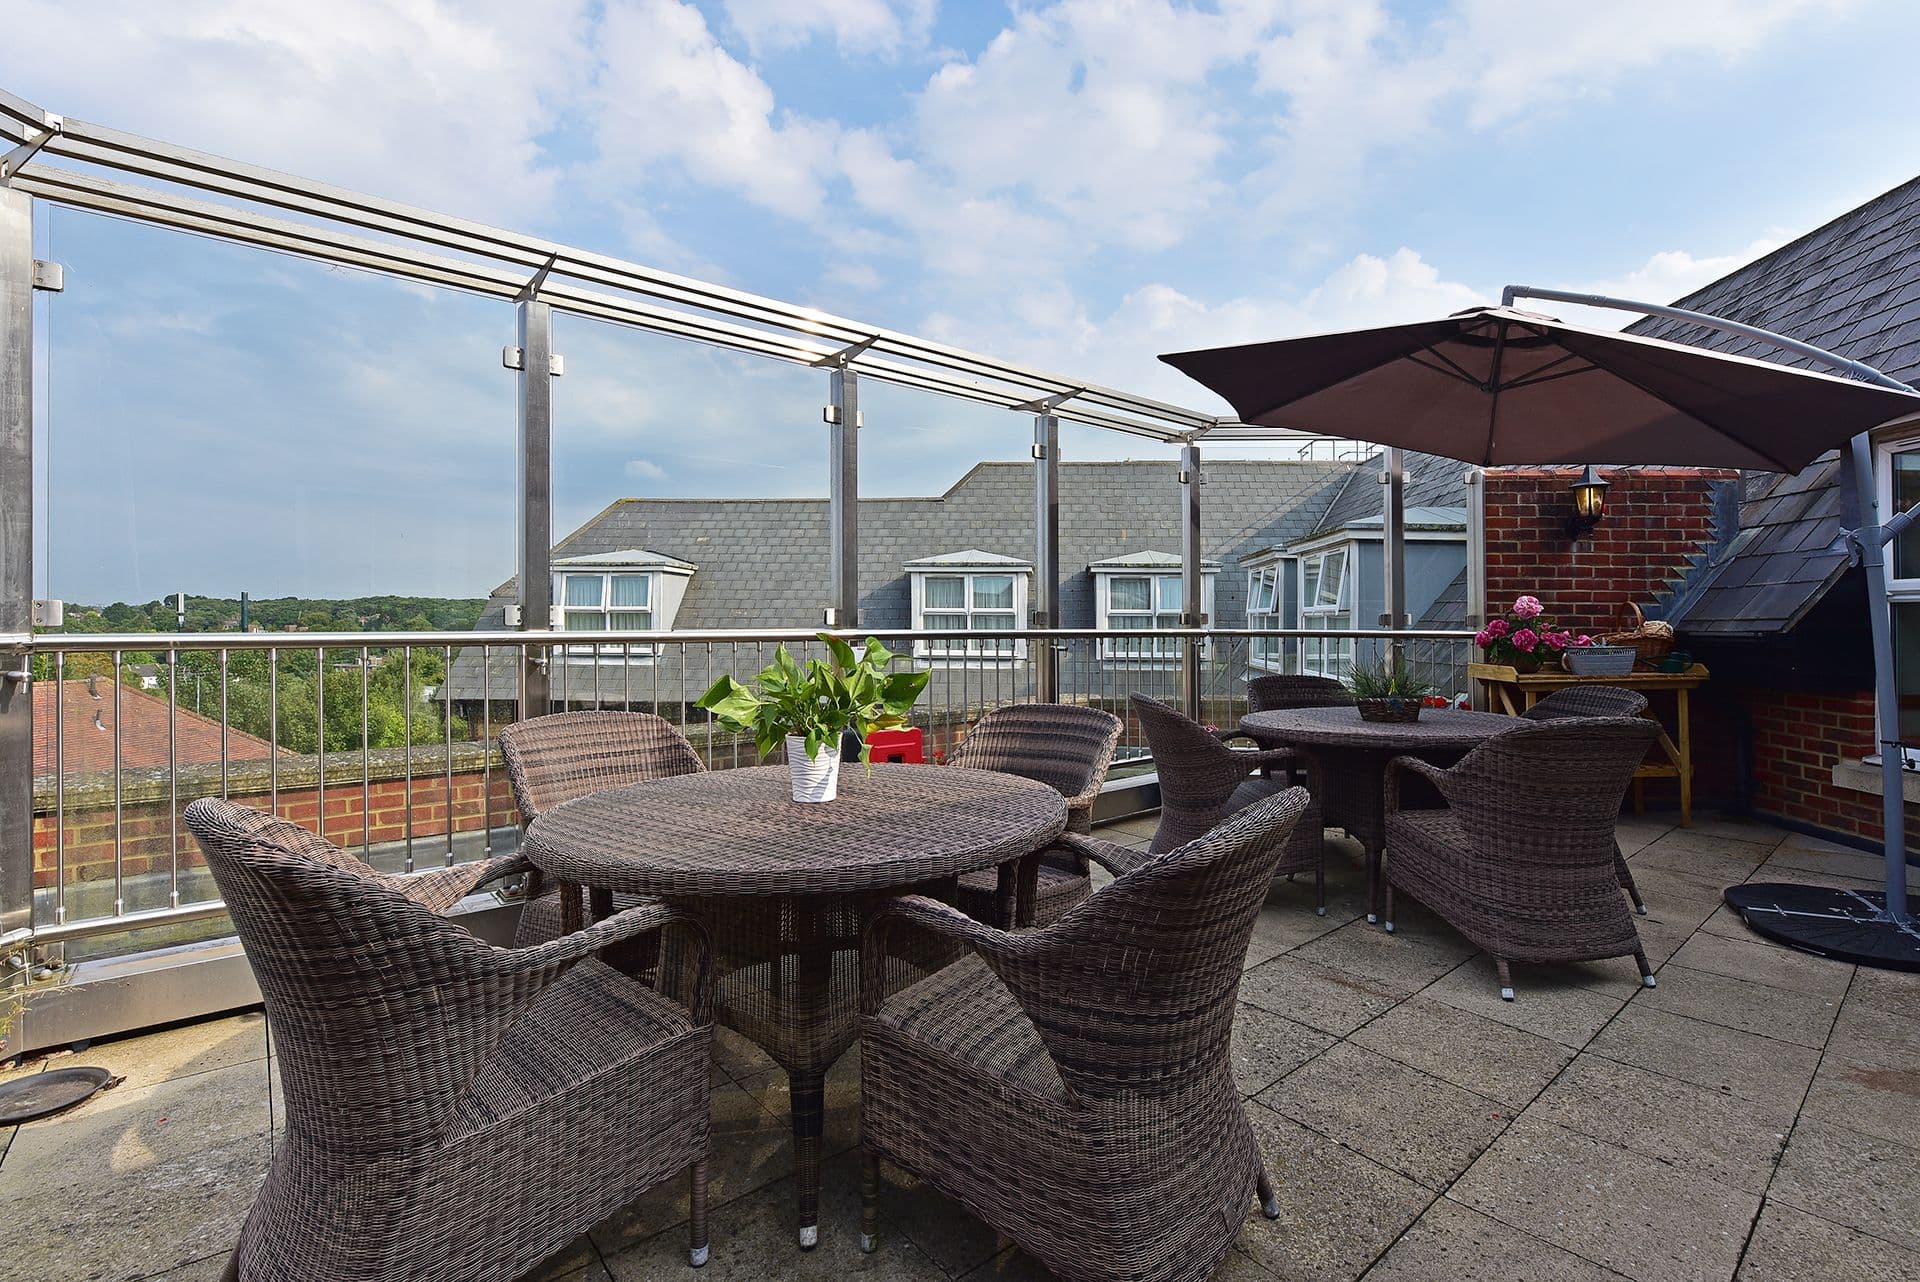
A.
x: 1600, y: 660
x: 815, y: 778
x: 1390, y: 710
x: 1526, y: 663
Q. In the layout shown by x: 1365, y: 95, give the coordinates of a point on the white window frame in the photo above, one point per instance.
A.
x: 1148, y: 650
x: 1900, y: 591
x: 1267, y: 654
x: 972, y: 649
x: 1325, y: 656
x: 606, y: 609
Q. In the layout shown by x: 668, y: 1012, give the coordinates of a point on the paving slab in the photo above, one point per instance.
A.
x: 1507, y: 1065
x: 1853, y: 1179
x: 946, y: 1232
x: 1604, y: 1203
x: 1809, y: 854
x: 1331, y: 1000
x: 1402, y: 963
x: 1688, y: 1127
x: 1425, y: 1129
x: 1782, y: 1014
x: 1284, y: 925
x: 1560, y: 1013
x: 1338, y: 1210
x: 1266, y: 1047
x: 578, y: 1263
x: 1454, y: 1241
x: 1870, y: 1078
x: 1752, y: 958
x: 1704, y: 857
x: 1889, y: 992
x: 181, y: 1051
x: 1792, y: 1246
x: 1770, y: 1073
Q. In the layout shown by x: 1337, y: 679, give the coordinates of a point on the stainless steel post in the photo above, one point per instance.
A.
x: 534, y: 561
x: 1476, y: 483
x: 843, y: 501
x: 1886, y: 696
x: 1192, y: 575
x: 1393, y: 550
x: 1046, y: 558
x: 16, y: 562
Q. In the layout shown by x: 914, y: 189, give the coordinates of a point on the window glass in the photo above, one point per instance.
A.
x: 992, y: 592
x: 1171, y: 592
x: 586, y: 621
x: 946, y: 592
x: 1260, y: 594
x: 632, y: 620
x: 1129, y: 592
x: 1332, y: 579
x: 1906, y: 667
x: 1906, y: 493
x: 582, y: 590
x: 631, y: 590
x: 1310, y: 580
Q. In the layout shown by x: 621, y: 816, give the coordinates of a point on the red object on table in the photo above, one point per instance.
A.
x: 897, y: 745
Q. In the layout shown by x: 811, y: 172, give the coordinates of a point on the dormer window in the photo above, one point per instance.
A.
x: 1143, y: 593
x: 968, y: 593
x: 618, y: 592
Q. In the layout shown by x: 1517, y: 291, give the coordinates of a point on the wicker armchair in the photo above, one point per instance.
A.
x: 1521, y: 859
x: 1202, y: 781
x: 1597, y: 701
x: 556, y: 758
x: 1064, y: 745
x: 453, y: 1110
x: 1071, y: 1086
x: 1279, y: 690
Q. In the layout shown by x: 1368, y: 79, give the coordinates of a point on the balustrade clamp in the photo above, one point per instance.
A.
x: 11, y: 162
x: 844, y: 357
x: 514, y: 358
x: 1046, y: 404
x: 531, y: 290
x: 49, y: 278
x: 831, y: 414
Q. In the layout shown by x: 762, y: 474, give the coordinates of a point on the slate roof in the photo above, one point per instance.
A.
x: 1432, y: 482
x: 762, y: 563
x: 1852, y: 287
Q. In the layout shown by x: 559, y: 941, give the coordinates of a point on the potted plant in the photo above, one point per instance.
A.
x: 1388, y: 692
x: 1524, y: 639
x: 810, y: 705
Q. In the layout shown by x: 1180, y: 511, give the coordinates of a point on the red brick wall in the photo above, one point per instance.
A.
x: 1656, y: 520
x: 1797, y: 738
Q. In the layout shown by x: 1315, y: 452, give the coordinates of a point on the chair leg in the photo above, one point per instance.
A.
x: 232, y: 1272
x: 1646, y: 971
x: 1506, y: 978
x: 697, y: 1214
x: 869, y: 1201
x: 1320, y: 885
x: 1269, y: 1204
x: 1624, y: 875
x: 1387, y: 919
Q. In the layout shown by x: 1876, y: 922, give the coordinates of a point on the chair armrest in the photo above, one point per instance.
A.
x: 442, y: 888
x: 1116, y: 859
x: 1412, y: 765
x: 553, y: 958
x: 933, y: 917
x: 1266, y: 756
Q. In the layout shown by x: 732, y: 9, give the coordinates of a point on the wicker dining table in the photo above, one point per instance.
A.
x: 1346, y: 760
x: 784, y: 888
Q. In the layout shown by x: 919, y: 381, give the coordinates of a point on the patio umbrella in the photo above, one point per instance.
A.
x: 1496, y: 385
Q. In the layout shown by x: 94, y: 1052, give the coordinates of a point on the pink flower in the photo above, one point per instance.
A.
x: 1483, y: 638
x: 1527, y: 607
x: 1497, y: 629
x: 1557, y: 640
x: 1525, y: 640
x: 1583, y: 639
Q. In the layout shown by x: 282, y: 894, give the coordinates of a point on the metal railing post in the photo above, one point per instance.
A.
x: 1046, y: 557
x: 1192, y: 577
x: 16, y: 562
x: 535, y: 360
x: 843, y: 496
x: 1393, y: 550
x: 1476, y: 483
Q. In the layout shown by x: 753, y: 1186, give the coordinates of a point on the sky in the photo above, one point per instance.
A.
x: 1078, y: 186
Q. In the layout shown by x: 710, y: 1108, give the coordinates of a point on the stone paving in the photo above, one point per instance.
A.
x: 1757, y: 1116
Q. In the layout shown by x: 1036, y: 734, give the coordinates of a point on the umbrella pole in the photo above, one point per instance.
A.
x: 1871, y: 542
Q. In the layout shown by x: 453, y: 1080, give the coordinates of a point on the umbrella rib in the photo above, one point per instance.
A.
x: 1535, y: 379
x: 1451, y: 368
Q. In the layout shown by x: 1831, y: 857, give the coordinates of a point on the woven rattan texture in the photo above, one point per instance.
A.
x: 1597, y: 701
x: 1073, y: 1085
x: 1279, y: 690
x: 1521, y: 861
x: 453, y: 1110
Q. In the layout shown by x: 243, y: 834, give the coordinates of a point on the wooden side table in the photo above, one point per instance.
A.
x: 1514, y: 692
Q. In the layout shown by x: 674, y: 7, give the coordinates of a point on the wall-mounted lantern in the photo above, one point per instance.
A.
x: 1589, y: 504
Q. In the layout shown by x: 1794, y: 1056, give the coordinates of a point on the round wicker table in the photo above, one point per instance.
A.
x: 1346, y: 761
x: 784, y: 889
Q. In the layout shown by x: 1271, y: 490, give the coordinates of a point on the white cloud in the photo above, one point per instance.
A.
x: 645, y: 470
x: 857, y: 26
x: 1667, y: 276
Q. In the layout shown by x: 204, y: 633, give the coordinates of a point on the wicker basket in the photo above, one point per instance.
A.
x: 1390, y: 710
x: 1599, y: 660
x: 1650, y: 639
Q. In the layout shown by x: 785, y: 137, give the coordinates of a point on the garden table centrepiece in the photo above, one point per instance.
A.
x: 784, y: 888
x: 1347, y: 759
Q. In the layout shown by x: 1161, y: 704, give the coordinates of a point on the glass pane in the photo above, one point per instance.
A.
x: 1172, y: 592
x: 1333, y: 579
x: 1166, y: 620
x: 632, y: 589
x: 632, y: 620
x: 1310, y: 580
x: 994, y: 622
x: 993, y: 592
x: 946, y: 592
x: 945, y: 622
x: 586, y: 621
x: 1906, y: 493
x: 1260, y: 597
x: 583, y: 589
x: 1906, y: 667
x: 1129, y: 592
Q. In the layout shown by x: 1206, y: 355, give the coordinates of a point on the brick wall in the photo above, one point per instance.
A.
x: 1657, y: 521
x: 1798, y: 736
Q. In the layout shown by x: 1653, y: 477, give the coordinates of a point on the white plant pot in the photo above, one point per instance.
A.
x: 816, y: 778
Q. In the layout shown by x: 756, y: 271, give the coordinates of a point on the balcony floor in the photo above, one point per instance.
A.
x: 1754, y: 1116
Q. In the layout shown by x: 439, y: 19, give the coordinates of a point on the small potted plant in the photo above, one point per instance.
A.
x: 811, y: 705
x: 1388, y: 692
x: 1525, y: 639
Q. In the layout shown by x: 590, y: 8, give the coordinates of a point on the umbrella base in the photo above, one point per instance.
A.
x: 1846, y: 925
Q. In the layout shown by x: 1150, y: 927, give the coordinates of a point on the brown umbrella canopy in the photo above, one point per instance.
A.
x: 1493, y: 386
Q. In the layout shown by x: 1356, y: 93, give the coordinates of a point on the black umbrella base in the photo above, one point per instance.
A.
x: 54, y: 1091
x: 1846, y: 925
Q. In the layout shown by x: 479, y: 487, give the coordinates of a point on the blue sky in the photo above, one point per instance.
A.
x: 1075, y: 185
